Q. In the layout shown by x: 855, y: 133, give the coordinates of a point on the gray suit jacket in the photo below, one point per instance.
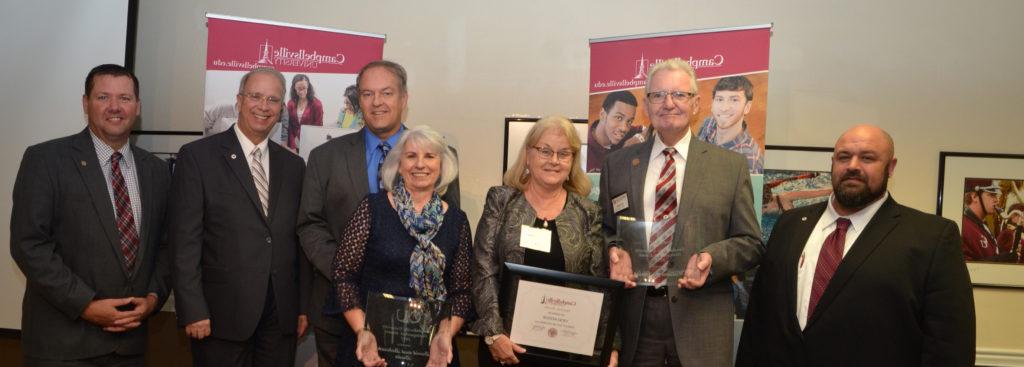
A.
x: 226, y: 253
x: 715, y: 215
x: 497, y: 242
x: 335, y: 183
x: 64, y: 239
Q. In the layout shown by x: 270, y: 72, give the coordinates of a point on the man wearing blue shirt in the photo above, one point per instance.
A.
x: 339, y: 174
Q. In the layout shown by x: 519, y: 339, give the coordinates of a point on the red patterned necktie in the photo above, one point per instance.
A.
x: 125, y: 217
x: 664, y: 218
x: 828, y: 260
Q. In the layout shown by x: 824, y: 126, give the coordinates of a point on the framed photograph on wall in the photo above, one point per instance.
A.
x: 984, y: 194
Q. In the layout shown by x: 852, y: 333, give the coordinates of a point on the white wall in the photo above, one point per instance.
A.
x: 49, y: 46
x: 939, y: 75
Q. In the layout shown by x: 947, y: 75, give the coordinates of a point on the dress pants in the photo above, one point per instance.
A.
x: 269, y: 345
x: 657, y: 344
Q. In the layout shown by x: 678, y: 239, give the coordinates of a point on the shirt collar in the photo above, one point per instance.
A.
x: 682, y: 146
x: 859, y: 219
x: 372, y: 140
x: 104, y: 151
x: 247, y: 145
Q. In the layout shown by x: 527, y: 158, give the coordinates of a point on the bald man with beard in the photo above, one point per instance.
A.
x: 860, y: 280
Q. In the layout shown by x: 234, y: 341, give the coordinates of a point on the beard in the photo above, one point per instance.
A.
x: 858, y: 198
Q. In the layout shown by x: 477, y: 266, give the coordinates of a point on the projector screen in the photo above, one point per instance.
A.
x: 49, y: 46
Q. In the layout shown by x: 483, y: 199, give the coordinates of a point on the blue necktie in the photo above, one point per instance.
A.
x: 384, y: 148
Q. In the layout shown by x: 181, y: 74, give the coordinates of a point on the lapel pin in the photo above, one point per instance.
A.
x: 636, y: 162
x: 233, y: 156
x: 83, y: 163
x: 803, y: 219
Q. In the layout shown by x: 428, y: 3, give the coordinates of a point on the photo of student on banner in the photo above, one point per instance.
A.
x: 726, y: 127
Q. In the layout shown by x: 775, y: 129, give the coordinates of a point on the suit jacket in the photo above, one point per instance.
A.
x: 715, y: 215
x: 900, y: 297
x: 497, y: 242
x: 64, y: 238
x: 226, y: 253
x: 335, y: 183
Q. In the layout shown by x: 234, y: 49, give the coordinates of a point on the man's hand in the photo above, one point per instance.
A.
x: 504, y: 350
x: 697, y: 271
x: 302, y: 324
x: 199, y: 329
x: 620, y: 266
x: 104, y: 313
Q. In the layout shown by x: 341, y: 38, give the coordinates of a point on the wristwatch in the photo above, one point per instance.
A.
x: 490, y: 339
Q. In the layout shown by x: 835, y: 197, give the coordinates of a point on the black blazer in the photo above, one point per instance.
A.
x: 64, y: 239
x: 226, y: 253
x: 335, y: 183
x: 900, y: 297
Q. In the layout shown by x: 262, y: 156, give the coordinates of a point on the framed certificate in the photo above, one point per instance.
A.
x: 562, y: 319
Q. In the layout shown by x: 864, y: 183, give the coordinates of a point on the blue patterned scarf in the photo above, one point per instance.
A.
x: 427, y: 262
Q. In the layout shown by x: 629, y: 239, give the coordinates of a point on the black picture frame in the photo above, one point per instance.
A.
x: 954, y: 168
x: 613, y: 291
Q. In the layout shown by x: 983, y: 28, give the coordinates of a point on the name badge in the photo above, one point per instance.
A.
x: 620, y: 203
x: 538, y: 239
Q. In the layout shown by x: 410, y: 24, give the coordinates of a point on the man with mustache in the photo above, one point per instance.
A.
x: 860, y: 280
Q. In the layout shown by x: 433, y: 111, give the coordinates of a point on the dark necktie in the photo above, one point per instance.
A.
x: 828, y: 260
x: 664, y: 218
x: 384, y: 148
x: 125, y: 217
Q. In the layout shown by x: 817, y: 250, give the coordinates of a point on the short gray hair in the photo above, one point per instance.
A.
x: 428, y: 138
x: 668, y: 65
x: 263, y: 70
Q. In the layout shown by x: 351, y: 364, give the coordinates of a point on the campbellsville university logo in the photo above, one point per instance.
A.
x: 283, y: 56
x: 643, y: 65
x: 554, y: 301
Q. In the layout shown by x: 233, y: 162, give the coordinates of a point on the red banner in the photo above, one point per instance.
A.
x: 732, y: 61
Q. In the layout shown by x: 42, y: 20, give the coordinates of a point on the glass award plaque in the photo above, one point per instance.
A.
x: 403, y: 327
x: 635, y: 238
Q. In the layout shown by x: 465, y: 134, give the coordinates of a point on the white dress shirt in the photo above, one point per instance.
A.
x: 654, y: 166
x: 812, y: 249
x: 247, y: 148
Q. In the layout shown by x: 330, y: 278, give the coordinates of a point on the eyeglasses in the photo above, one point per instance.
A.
x: 256, y: 98
x: 678, y: 96
x: 547, y: 153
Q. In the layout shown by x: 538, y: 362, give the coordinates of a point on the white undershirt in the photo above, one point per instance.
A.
x: 812, y: 249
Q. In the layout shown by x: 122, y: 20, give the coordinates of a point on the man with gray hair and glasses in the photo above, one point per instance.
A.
x: 698, y: 201
x: 240, y: 278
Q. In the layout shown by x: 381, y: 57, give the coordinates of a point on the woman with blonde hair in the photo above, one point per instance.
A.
x: 545, y: 190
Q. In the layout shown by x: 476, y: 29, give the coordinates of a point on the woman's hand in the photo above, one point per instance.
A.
x: 366, y: 349
x: 504, y: 350
x: 614, y: 360
x: 441, y: 353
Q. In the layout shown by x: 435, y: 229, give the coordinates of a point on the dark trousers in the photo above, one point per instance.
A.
x: 109, y: 360
x: 326, y: 347
x: 657, y: 343
x: 269, y: 346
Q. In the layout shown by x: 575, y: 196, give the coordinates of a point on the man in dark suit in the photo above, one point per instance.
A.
x: 87, y: 230
x: 240, y: 279
x: 698, y: 198
x: 860, y: 280
x: 339, y: 174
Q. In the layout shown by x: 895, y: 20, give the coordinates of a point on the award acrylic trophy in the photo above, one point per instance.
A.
x: 403, y: 327
x: 634, y: 238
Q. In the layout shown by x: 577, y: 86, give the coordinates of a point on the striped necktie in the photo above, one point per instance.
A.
x: 664, y: 219
x: 259, y: 177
